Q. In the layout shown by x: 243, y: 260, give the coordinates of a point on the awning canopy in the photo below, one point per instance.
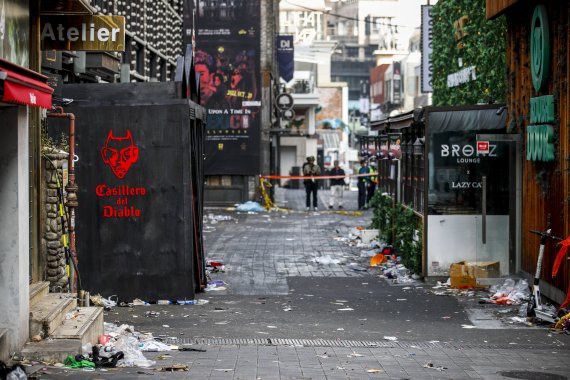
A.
x: 23, y: 86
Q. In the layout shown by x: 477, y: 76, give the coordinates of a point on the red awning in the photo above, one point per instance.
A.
x: 23, y: 86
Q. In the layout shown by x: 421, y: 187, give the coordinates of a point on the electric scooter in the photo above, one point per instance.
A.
x: 535, y: 306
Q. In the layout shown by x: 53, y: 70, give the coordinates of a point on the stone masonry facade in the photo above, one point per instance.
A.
x: 52, y: 225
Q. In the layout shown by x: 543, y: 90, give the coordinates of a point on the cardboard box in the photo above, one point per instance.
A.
x: 487, y: 269
x: 461, y: 275
x: 464, y: 275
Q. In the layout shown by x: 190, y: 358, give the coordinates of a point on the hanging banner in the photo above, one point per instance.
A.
x: 227, y: 60
x: 285, y: 55
x: 397, y: 82
x: 426, y: 44
x: 15, y: 31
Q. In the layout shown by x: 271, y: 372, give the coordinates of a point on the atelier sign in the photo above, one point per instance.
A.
x: 91, y: 33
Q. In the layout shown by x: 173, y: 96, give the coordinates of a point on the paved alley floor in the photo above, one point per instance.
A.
x: 299, y: 304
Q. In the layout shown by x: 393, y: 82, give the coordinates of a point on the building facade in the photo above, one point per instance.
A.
x: 538, y: 74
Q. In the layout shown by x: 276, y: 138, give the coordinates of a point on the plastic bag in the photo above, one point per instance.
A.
x: 250, y: 206
x: 134, y: 356
x: 17, y: 374
x: 510, y: 292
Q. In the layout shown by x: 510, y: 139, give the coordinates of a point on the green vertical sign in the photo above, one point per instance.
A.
x: 539, y: 138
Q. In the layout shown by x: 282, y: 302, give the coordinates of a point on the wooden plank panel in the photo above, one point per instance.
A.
x: 493, y: 8
x: 546, y: 186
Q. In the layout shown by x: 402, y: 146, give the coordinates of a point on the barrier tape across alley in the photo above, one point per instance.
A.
x: 263, y: 183
x: 317, y: 176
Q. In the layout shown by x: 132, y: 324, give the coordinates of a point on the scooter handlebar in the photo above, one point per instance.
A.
x: 547, y: 235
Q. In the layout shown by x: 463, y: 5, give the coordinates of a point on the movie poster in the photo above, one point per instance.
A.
x: 227, y: 44
x: 15, y: 31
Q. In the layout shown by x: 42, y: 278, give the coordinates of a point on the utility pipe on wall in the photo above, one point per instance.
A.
x: 71, y: 188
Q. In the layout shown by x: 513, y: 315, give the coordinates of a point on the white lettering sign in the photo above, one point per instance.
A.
x: 462, y: 76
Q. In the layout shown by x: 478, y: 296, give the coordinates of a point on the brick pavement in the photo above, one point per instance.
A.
x: 267, y: 254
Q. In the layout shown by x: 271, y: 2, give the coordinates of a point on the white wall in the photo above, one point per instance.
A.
x: 14, y: 225
x: 453, y: 238
x: 288, y: 160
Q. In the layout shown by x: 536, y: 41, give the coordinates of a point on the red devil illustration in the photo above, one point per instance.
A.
x: 120, y: 153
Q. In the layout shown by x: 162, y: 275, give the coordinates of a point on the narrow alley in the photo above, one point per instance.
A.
x: 295, y: 302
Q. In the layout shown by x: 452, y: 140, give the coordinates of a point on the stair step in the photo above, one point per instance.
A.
x: 49, y: 312
x: 86, y: 326
x: 38, y: 290
x: 51, y: 350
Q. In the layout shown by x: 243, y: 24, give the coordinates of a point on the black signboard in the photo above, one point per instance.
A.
x: 455, y: 176
x: 227, y: 58
x: 138, y: 224
x: 285, y: 55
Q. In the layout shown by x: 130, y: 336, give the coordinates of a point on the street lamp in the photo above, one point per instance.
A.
x: 418, y: 147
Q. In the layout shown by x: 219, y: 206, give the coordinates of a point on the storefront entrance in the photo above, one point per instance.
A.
x: 471, y: 194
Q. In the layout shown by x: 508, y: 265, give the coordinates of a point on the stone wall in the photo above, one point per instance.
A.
x: 52, y: 226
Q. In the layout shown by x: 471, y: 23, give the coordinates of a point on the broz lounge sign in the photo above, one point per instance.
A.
x: 92, y: 33
x: 539, y: 135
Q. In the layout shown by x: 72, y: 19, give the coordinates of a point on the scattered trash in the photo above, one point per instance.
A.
x: 139, y: 302
x: 17, y: 372
x: 370, y: 253
x: 250, y: 206
x: 191, y: 349
x: 326, y: 260
x: 354, y: 355
x: 106, y: 303
x: 377, y: 260
x: 288, y: 308
x: 563, y: 323
x: 510, y: 292
x: 215, y: 219
x: 468, y: 326
x: 215, y: 266
x: 391, y: 338
x: 215, y: 286
x: 357, y: 268
x: 346, y: 309
x: 431, y: 366
x: 78, y: 362
x: 519, y: 320
x: 374, y: 371
x: 163, y: 302
x: 174, y: 368
x: 36, y: 338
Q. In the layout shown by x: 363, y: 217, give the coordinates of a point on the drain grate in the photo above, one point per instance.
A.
x: 349, y: 343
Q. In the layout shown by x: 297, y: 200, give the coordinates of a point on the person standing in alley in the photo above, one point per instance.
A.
x: 337, y: 186
x: 363, y: 184
x: 310, y: 169
x: 372, y: 186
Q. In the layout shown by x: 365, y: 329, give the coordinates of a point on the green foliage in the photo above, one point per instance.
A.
x: 383, y: 213
x: 398, y: 225
x: 405, y: 226
x: 484, y: 48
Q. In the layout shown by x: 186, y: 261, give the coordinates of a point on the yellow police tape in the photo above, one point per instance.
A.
x: 269, y: 205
